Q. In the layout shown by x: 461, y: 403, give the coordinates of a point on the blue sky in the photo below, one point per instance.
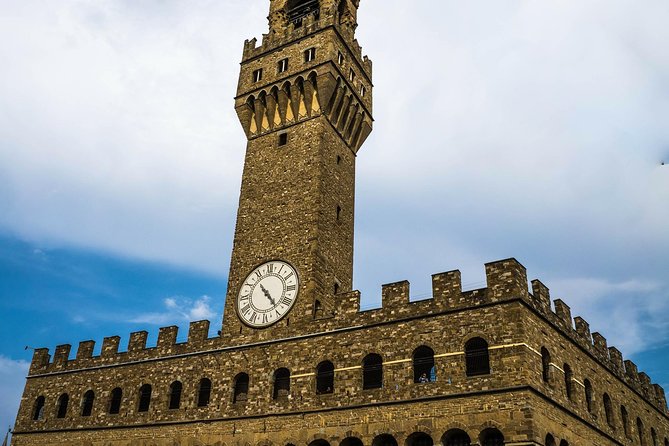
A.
x: 503, y: 129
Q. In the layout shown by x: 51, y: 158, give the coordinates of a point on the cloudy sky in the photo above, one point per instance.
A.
x: 523, y: 129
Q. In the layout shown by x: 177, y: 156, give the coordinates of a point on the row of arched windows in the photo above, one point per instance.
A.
x: 454, y: 437
x: 606, y: 403
x: 116, y: 396
x: 477, y: 362
x: 550, y: 441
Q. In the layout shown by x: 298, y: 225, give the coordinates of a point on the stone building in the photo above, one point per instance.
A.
x: 296, y: 361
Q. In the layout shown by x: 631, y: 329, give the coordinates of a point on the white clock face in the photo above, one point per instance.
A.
x: 267, y: 294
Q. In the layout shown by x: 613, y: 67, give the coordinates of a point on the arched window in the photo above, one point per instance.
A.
x: 319, y: 442
x: 175, y: 395
x: 281, y: 384
x: 653, y: 436
x: 625, y: 419
x: 144, y: 398
x: 384, y: 440
x: 545, y: 365
x: 550, y: 441
x: 115, y: 401
x: 666, y: 442
x: 204, y: 392
x: 639, y: 429
x: 241, y: 390
x: 299, y: 9
x: 476, y: 357
x: 325, y: 377
x: 564, y: 443
x: 608, y: 411
x: 423, y: 365
x: 318, y: 309
x: 63, y: 401
x: 419, y: 439
x: 87, y: 404
x: 372, y: 372
x: 456, y: 437
x: 351, y: 441
x: 588, y: 394
x: 38, y: 408
x: 568, y: 377
x: 492, y: 437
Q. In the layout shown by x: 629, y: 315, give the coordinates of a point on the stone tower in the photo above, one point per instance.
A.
x: 305, y: 102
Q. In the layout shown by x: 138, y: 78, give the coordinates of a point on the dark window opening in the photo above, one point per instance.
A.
x: 568, y: 380
x: 204, y: 392
x: 144, y: 398
x: 38, y: 409
x: 283, y: 65
x: 318, y: 309
x: 87, y: 404
x: 456, y: 437
x: 241, y: 392
x: 372, y: 372
x: 325, y: 378
x: 639, y: 429
x: 419, y: 439
x: 564, y: 443
x: 310, y: 55
x: 299, y: 9
x: 588, y: 395
x: 351, y: 441
x: 423, y: 365
x: 281, y: 384
x: 550, y: 441
x: 62, y: 405
x: 384, y: 440
x: 545, y: 364
x: 363, y: 91
x: 115, y: 401
x: 653, y: 436
x: 338, y: 159
x: 351, y: 75
x: 625, y: 420
x: 338, y: 212
x: 283, y: 139
x: 336, y: 288
x: 477, y: 358
x: 608, y: 410
x: 340, y: 58
x: 492, y: 437
x: 175, y: 395
x: 257, y: 75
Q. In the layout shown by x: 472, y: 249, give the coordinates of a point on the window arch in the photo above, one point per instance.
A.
x: 115, y: 401
x: 477, y: 357
x: 351, y: 441
x: 608, y: 411
x: 666, y: 442
x: 372, y: 372
x: 325, y: 377
x: 63, y: 401
x: 564, y: 443
x: 568, y: 377
x: 550, y: 440
x: 456, y: 437
x: 588, y: 394
x: 204, y: 392
x: 423, y: 365
x: 87, y: 403
x: 653, y: 436
x: 281, y: 384
x: 384, y: 440
x: 241, y: 388
x: 639, y: 429
x: 38, y: 408
x: 419, y: 439
x: 144, y: 398
x: 175, y: 395
x: 545, y: 364
x: 492, y: 437
x: 625, y: 419
x: 319, y: 442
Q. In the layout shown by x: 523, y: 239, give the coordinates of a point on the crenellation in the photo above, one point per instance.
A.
x: 506, y: 279
x: 661, y: 397
x: 395, y: 296
x: 61, y: 355
x: 563, y: 313
x: 583, y: 329
x: 347, y: 305
x: 447, y: 288
x: 198, y: 333
x: 646, y: 386
x: 110, y: 346
x: 541, y: 294
x: 600, y: 344
x: 41, y: 359
x: 616, y: 361
x: 85, y: 350
x: 631, y: 371
x: 167, y: 339
x: 137, y: 341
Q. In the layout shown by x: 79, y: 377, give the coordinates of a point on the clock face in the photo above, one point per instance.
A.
x: 267, y: 294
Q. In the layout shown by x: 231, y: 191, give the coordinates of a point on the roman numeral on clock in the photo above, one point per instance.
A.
x: 270, y: 268
x: 286, y: 300
x: 290, y: 288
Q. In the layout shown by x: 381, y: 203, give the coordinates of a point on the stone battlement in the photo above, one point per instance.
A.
x: 506, y: 281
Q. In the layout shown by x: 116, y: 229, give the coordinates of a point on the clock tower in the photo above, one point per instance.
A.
x: 305, y: 103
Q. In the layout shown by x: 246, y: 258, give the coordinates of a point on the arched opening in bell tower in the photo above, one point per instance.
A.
x: 299, y: 9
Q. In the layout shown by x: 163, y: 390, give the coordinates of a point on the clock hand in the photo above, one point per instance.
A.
x: 269, y: 296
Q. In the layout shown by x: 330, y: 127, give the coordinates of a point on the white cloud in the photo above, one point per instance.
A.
x: 178, y: 309
x: 12, y: 381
